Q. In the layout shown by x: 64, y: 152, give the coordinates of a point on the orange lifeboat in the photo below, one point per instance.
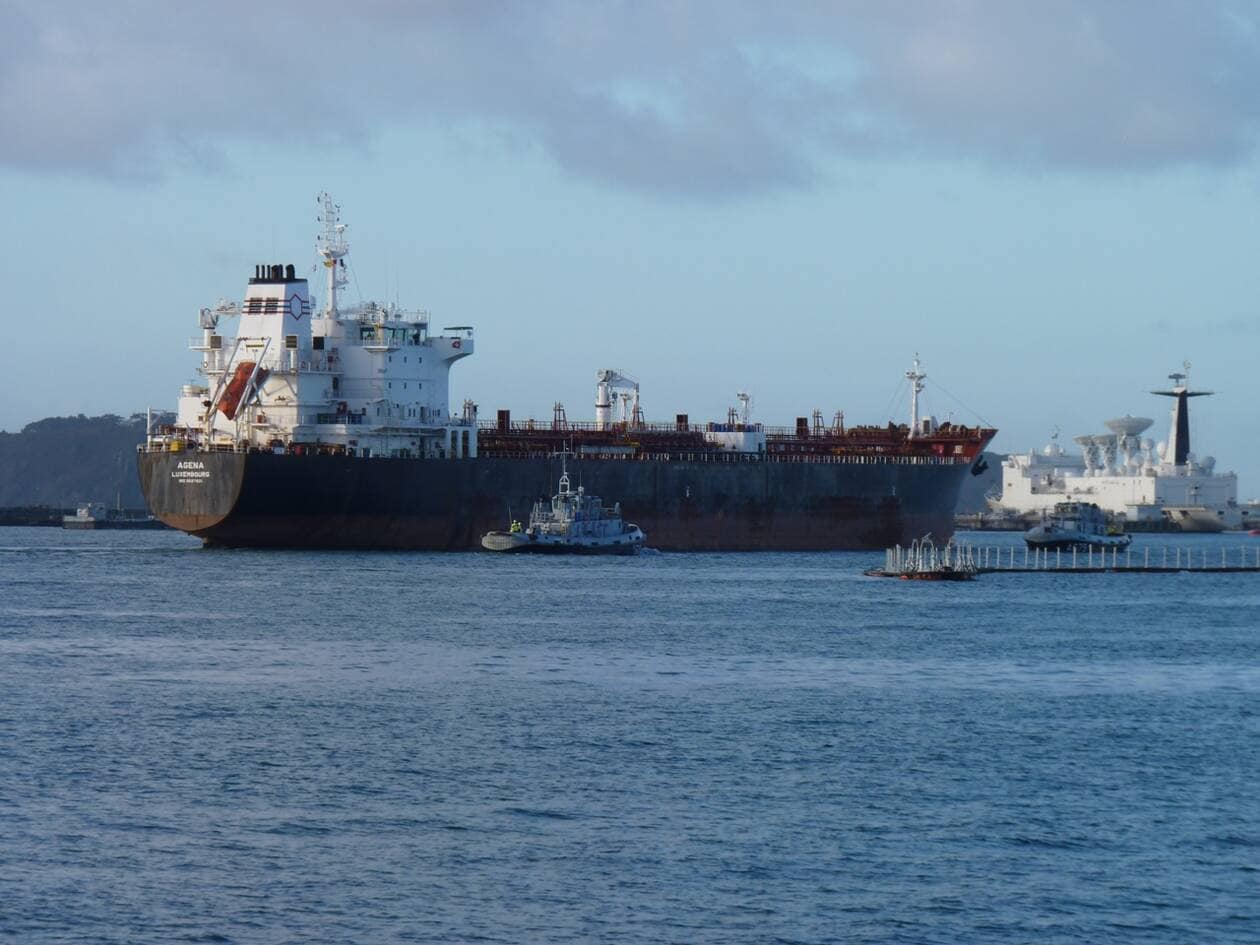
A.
x: 230, y: 402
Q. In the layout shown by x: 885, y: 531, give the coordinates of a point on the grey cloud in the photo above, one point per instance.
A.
x: 704, y: 99
x: 1111, y: 85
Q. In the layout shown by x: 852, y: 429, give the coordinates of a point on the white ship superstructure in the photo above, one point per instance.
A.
x: 370, y: 380
x: 1128, y: 475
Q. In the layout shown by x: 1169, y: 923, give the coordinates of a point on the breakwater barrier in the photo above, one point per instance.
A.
x: 922, y: 560
x: 1163, y: 560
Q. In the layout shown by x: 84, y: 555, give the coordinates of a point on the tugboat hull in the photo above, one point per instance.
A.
x: 1079, y: 526
x: 510, y: 543
x: 1082, y: 543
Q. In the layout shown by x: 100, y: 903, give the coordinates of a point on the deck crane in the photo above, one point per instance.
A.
x: 612, y: 383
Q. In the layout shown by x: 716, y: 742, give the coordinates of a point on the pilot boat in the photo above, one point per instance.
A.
x: 571, y: 523
x: 1079, y: 525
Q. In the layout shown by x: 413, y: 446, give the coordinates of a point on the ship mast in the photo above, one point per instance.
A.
x: 332, y: 246
x: 1179, y: 435
x: 916, y: 378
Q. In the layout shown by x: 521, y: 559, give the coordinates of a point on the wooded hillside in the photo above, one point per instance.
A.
x: 61, y: 461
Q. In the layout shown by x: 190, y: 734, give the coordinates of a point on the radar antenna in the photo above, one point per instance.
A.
x: 332, y: 246
x: 745, y: 405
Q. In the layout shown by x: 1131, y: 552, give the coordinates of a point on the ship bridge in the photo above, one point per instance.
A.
x: 371, y: 379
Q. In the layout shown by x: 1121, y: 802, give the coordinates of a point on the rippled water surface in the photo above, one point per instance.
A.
x: 256, y: 747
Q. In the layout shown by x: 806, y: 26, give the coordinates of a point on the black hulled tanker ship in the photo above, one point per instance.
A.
x: 333, y: 430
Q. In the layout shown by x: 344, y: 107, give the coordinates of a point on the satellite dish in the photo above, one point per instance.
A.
x: 1128, y: 425
x: 1084, y: 440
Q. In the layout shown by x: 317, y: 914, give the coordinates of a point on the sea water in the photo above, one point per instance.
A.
x: 291, y: 747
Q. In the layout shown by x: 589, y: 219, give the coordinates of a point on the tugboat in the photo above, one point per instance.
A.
x: 1074, y: 525
x: 572, y: 523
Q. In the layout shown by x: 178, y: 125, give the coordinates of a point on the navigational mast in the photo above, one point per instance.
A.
x: 1178, y: 450
x: 332, y: 246
x: 916, y: 379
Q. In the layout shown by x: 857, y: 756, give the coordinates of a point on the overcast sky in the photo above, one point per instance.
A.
x: 1055, y: 203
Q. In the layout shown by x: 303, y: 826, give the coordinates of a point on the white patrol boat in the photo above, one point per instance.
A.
x: 571, y: 523
x: 1074, y: 525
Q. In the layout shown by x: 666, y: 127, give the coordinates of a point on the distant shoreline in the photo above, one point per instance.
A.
x: 33, y: 515
x: 47, y: 515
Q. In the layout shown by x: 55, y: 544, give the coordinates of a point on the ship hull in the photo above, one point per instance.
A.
x: 1078, y: 543
x: 733, y: 503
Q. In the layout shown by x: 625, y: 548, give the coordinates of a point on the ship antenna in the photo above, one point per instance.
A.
x: 916, y: 378
x: 332, y: 246
x: 564, y: 469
